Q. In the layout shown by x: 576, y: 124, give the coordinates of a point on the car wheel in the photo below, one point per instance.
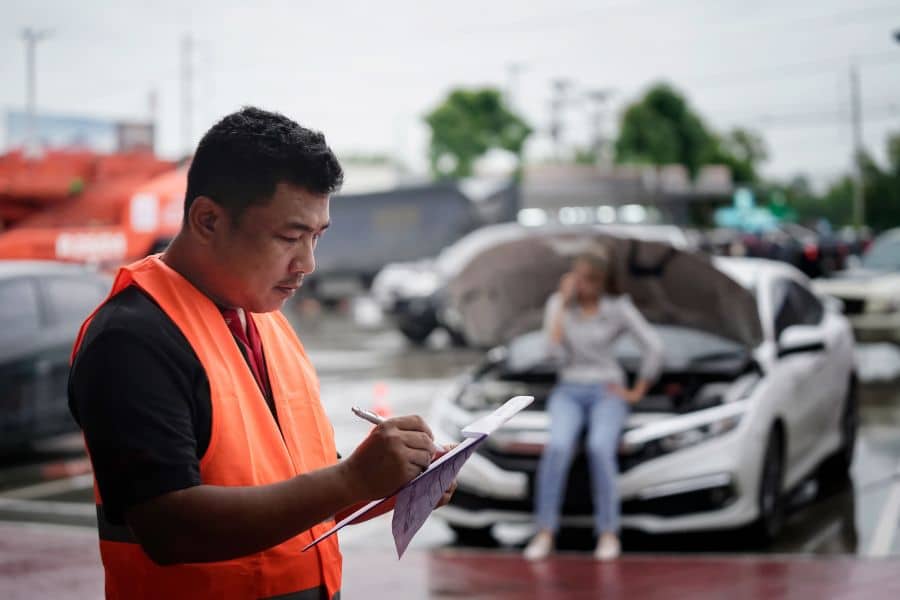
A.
x: 416, y: 334
x: 771, y: 496
x: 456, y: 338
x: 481, y: 537
x: 837, y: 467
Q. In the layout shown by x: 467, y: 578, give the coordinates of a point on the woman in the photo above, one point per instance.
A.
x: 582, y: 324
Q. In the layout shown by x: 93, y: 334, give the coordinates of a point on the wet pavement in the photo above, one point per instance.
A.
x: 48, y: 544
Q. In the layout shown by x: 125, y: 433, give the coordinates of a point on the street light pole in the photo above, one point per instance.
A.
x: 859, y: 199
x: 31, y: 37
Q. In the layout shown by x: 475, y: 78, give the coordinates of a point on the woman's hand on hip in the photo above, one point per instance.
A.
x: 629, y: 395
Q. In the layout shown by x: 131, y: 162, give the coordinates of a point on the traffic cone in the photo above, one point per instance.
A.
x: 380, y: 404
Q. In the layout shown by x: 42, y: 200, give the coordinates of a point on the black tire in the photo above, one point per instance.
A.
x: 415, y: 333
x: 456, y: 338
x: 836, y: 467
x: 480, y: 537
x: 771, y: 499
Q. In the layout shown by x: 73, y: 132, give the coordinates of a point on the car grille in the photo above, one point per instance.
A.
x: 577, y: 500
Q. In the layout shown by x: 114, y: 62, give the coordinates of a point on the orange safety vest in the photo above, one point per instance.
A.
x: 246, y: 448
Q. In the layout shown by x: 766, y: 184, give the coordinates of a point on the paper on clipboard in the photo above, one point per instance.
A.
x: 417, y: 499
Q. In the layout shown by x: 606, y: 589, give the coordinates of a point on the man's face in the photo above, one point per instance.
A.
x: 263, y: 257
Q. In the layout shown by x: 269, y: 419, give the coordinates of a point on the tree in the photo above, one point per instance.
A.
x: 835, y: 205
x: 743, y: 151
x: 467, y: 124
x: 662, y: 129
x: 881, y: 186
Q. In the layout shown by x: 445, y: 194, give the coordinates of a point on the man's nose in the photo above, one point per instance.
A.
x: 305, y: 260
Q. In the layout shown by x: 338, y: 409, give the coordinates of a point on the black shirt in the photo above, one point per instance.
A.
x: 141, y: 396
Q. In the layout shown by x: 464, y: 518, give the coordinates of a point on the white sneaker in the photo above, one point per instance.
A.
x: 540, y: 547
x: 608, y: 548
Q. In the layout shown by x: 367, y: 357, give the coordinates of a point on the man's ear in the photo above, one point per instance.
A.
x: 204, y: 217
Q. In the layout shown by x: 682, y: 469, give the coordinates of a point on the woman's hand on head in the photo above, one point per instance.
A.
x: 568, y: 285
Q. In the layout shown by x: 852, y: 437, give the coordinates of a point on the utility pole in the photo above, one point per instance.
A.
x: 513, y: 70
x: 557, y: 104
x: 187, y: 100
x: 859, y: 200
x: 31, y: 37
x: 153, y: 114
x: 598, y: 99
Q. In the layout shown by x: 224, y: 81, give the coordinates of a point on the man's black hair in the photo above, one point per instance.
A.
x: 243, y: 157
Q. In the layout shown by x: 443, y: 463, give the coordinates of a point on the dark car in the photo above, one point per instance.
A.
x: 42, y: 305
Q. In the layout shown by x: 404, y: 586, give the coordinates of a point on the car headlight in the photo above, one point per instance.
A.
x: 883, y: 305
x: 638, y: 445
x: 692, y: 437
x: 485, y: 395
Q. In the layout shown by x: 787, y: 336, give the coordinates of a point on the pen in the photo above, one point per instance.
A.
x: 375, y: 419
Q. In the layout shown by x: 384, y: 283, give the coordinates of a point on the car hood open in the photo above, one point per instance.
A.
x: 501, y: 292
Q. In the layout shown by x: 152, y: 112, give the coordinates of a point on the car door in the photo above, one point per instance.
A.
x: 805, y: 371
x: 19, y: 357
x: 68, y: 300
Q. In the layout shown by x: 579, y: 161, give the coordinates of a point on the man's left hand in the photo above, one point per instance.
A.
x: 445, y: 499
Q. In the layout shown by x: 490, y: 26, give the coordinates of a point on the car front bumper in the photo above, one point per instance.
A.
x: 712, y: 485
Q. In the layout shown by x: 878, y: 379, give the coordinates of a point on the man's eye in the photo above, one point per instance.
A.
x: 289, y: 239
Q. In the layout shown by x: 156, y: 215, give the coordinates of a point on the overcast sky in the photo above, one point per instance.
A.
x: 366, y: 72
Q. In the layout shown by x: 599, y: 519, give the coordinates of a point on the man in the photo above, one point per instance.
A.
x: 213, y: 459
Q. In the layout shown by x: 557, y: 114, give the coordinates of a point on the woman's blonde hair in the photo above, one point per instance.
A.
x: 597, y: 257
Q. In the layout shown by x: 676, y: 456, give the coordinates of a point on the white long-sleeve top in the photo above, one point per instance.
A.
x: 586, y: 353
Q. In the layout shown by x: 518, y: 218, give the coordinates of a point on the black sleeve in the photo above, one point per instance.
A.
x: 134, y: 403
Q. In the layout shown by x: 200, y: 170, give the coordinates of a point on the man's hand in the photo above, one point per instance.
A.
x: 445, y: 499
x: 394, y: 453
x: 448, y: 493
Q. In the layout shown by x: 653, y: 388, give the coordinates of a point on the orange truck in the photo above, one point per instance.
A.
x: 105, y: 212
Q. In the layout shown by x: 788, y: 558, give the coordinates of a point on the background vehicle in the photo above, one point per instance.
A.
x: 413, y: 294
x: 870, y: 292
x: 758, y: 391
x: 44, y: 304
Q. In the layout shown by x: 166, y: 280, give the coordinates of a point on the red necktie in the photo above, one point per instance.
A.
x: 252, y: 344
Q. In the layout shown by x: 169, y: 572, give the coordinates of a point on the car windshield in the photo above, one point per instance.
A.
x: 684, y: 348
x: 884, y: 255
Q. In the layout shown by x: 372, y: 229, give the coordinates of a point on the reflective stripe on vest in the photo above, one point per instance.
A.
x: 242, y: 428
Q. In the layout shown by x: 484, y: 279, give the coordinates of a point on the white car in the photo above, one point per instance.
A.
x: 870, y: 293
x: 757, y: 393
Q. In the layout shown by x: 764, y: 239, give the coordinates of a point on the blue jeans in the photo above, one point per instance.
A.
x: 570, y: 406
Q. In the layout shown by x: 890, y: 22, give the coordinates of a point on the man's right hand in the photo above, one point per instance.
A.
x: 394, y: 453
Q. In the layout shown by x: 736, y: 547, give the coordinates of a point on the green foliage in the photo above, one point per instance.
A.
x: 662, y: 128
x: 835, y: 205
x: 742, y: 151
x: 467, y: 124
x: 585, y: 156
x: 881, y: 189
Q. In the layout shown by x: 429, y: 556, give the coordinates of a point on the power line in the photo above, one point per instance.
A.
x: 815, y: 67
x: 821, y: 119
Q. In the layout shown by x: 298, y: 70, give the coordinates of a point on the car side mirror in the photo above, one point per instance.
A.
x: 798, y: 339
x: 832, y: 304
